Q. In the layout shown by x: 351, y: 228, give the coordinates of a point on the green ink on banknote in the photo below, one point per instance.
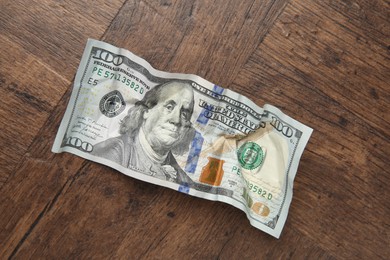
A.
x: 250, y: 155
x: 247, y: 198
x: 240, y: 153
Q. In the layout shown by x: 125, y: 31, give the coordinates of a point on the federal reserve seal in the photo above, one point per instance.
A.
x: 112, y: 104
x: 250, y: 155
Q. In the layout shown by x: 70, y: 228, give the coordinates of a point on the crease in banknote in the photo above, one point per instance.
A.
x: 183, y: 132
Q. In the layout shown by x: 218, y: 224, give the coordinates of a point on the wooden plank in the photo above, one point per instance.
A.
x: 203, y: 37
x: 132, y: 219
x: 325, y: 63
x: 332, y: 75
x: 247, y: 244
x: 35, y: 184
x: 33, y: 190
x: 32, y: 90
x: 219, y: 36
x: 141, y: 30
x: 368, y: 18
x: 161, y: 35
x: 37, y: 64
x: 56, y: 31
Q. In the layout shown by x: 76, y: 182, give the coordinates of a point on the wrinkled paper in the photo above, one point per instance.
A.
x: 182, y: 132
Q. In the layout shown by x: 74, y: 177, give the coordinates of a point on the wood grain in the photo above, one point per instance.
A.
x: 211, y: 39
x: 325, y: 63
x: 314, y: 72
x: 26, y: 105
x: 32, y: 40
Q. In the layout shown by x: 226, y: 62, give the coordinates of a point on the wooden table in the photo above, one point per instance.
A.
x: 323, y: 62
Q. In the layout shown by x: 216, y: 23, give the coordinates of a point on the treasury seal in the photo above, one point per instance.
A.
x: 250, y: 155
x: 112, y: 104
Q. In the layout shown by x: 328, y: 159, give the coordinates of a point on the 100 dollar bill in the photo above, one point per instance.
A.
x: 183, y: 132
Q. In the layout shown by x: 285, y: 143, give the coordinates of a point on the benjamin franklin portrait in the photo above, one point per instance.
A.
x: 154, y: 129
